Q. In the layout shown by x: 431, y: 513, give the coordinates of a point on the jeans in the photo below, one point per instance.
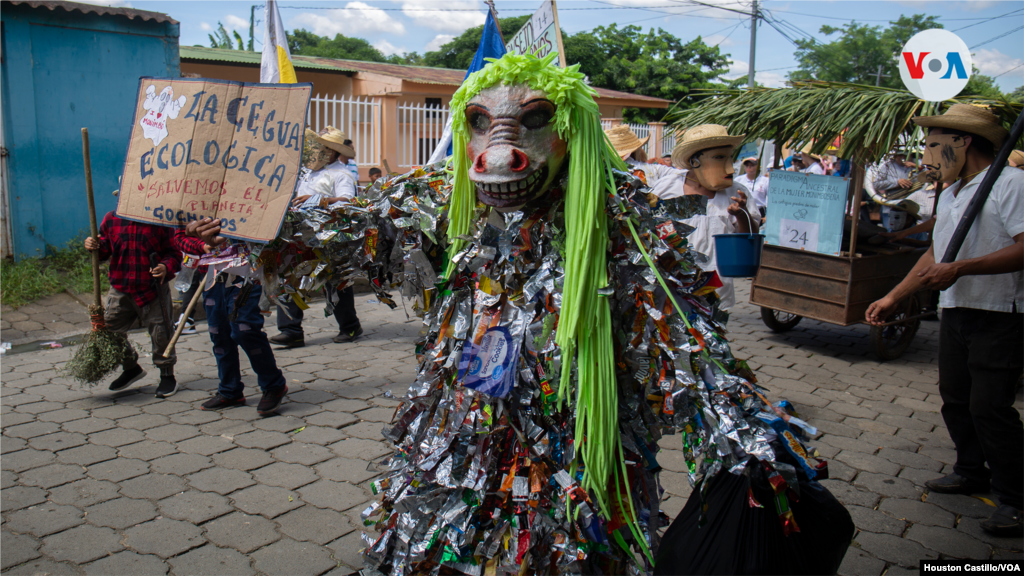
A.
x: 344, y: 313
x: 246, y: 331
x: 979, y: 364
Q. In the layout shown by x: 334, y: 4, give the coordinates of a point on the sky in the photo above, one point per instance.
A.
x: 994, y: 30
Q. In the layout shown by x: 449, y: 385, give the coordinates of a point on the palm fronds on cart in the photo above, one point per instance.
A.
x: 871, y: 120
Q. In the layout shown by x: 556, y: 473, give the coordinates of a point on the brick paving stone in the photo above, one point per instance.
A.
x: 314, y: 524
x: 153, y: 486
x: 857, y: 563
x: 31, y: 430
x: 868, y: 463
x: 335, y: 420
x: 321, y: 435
x: 9, y: 445
x: 57, y: 441
x: 18, y: 497
x: 269, y: 501
x: 8, y: 479
x: 211, y: 560
x: 194, y: 418
x: 833, y: 427
x: 299, y: 409
x: 205, y: 445
x: 290, y: 476
x: 147, y: 450
x: 359, y: 448
x: 875, y: 521
x: 171, y: 433
x: 887, y: 486
x: 346, y: 550
x: 127, y: 563
x: 849, y: 495
x: 948, y: 541
x: 887, y: 441
x: 180, y: 464
x: 311, y: 397
x: 279, y: 423
x: 89, y: 425
x: 82, y: 544
x: 333, y: 495
x: 39, y: 407
x: 220, y: 480
x: 52, y: 475
x: 306, y: 454
x: 143, y: 421
x: 17, y: 549
x: 870, y: 425
x: 910, y: 459
x: 294, y: 558
x: 116, y: 412
x: 43, y: 566
x: 194, y: 506
x: 44, y: 519
x: 121, y: 513
x: 87, y: 455
x: 84, y: 492
x: 119, y: 469
x: 226, y: 427
x: 365, y: 430
x: 164, y: 537
x: 917, y: 512
x: 262, y: 440
x: 919, y: 477
x: 242, y: 459
x: 844, y: 443
x: 960, y: 504
x: 894, y: 549
x: 242, y: 532
x: 345, y: 405
x: 116, y: 437
x: 944, y: 455
x: 350, y: 470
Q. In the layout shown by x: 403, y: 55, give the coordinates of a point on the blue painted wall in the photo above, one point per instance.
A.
x: 63, y: 71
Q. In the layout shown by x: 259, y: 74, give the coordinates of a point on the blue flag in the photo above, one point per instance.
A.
x: 491, y: 46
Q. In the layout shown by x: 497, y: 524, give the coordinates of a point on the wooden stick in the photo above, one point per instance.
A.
x: 92, y: 218
x: 188, y: 312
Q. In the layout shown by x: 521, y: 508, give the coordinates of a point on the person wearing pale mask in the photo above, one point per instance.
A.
x: 705, y: 153
x: 982, y: 326
x: 662, y: 180
x: 757, y: 185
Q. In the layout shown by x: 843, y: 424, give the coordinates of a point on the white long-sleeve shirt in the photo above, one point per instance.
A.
x: 758, y: 189
x: 888, y: 176
x: 664, y: 181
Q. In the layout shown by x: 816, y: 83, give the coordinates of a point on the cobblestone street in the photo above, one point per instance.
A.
x: 105, y: 483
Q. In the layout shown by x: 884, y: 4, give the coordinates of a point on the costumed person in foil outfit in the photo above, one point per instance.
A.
x: 568, y: 328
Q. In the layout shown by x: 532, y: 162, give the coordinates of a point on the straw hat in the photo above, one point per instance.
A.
x: 807, y: 150
x: 1017, y: 157
x: 968, y: 118
x: 701, y: 138
x: 624, y: 140
x: 338, y: 141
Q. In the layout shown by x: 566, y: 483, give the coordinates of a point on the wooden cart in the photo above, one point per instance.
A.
x: 793, y: 284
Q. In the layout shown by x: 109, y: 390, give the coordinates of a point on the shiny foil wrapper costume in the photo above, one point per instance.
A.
x: 485, y: 478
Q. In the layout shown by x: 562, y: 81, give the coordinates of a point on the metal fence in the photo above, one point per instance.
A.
x: 358, y: 118
x: 420, y: 127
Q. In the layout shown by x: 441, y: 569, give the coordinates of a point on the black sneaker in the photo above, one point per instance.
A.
x: 219, y: 402
x: 348, y: 336
x: 288, y: 340
x: 1005, y: 521
x: 127, y: 378
x: 168, y: 386
x: 956, y: 484
x: 271, y: 400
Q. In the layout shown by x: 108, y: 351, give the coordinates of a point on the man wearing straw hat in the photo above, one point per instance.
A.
x: 328, y: 181
x: 664, y: 181
x: 811, y: 162
x: 982, y: 328
x: 705, y: 155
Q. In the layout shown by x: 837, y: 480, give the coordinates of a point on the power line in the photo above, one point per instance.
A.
x: 560, y: 9
x: 734, y: 28
x: 986, y: 20
x: 713, y: 6
x: 1010, y: 70
x: 998, y: 37
x: 868, y: 19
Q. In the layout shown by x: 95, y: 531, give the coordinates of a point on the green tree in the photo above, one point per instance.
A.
x: 458, y: 53
x: 221, y: 39
x: 982, y: 86
x: 306, y: 43
x: 860, y: 52
x: 1017, y: 95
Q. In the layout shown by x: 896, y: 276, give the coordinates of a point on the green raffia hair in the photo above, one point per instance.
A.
x: 584, y: 325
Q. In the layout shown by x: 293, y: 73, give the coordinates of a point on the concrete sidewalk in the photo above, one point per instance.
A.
x: 101, y: 483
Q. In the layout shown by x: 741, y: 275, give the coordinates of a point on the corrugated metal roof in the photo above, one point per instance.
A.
x: 98, y: 10
x: 418, y: 74
x: 245, y: 57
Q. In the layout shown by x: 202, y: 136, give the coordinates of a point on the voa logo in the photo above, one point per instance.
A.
x: 935, y: 65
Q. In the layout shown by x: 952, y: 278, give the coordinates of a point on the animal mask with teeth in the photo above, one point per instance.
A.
x: 514, y: 146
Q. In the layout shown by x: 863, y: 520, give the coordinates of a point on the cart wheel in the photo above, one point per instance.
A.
x: 890, y: 342
x: 779, y: 321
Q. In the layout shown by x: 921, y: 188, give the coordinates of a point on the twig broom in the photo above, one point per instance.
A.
x: 102, y: 351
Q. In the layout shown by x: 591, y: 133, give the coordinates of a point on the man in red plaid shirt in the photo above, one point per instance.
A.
x: 136, y: 291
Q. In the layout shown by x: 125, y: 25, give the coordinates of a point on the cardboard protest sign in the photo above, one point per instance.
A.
x: 540, y: 35
x: 806, y: 211
x: 214, y: 148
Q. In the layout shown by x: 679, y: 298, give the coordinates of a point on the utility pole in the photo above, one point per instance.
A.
x: 878, y: 77
x: 252, y: 27
x: 753, y: 44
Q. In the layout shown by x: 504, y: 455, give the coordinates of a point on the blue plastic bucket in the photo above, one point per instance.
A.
x: 738, y: 255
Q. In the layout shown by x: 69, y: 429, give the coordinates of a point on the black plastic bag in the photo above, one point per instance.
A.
x: 740, y: 539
